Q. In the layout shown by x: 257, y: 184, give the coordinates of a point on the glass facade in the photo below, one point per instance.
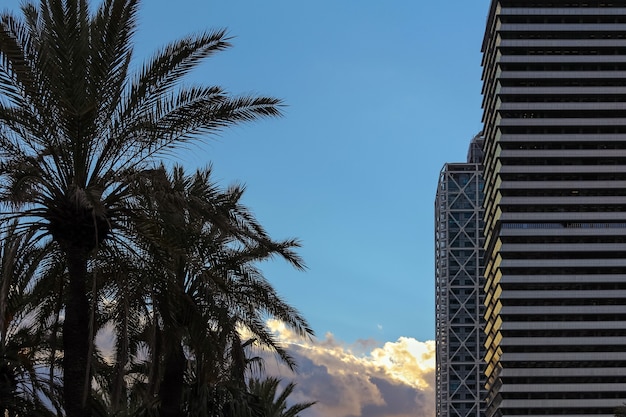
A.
x: 459, y: 288
x: 554, y: 104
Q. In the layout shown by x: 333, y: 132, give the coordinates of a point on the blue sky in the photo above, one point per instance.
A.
x: 379, y: 96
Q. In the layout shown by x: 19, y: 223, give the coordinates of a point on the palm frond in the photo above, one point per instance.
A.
x: 114, y: 239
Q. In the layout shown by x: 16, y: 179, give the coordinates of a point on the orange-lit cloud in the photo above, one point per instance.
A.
x: 360, y: 380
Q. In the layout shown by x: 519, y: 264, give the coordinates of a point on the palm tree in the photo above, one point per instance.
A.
x: 24, y: 333
x: 203, y: 245
x: 76, y: 126
x: 271, y: 402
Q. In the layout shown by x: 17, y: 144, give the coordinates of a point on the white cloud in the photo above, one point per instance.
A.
x: 364, y: 379
x: 360, y: 380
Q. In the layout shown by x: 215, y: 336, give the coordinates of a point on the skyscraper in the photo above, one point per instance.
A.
x: 554, y: 106
x: 459, y: 287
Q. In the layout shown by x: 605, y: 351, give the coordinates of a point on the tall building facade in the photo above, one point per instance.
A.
x: 459, y: 288
x: 554, y: 101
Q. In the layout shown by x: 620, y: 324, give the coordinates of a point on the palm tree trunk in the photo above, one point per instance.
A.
x: 76, y: 335
x: 171, y: 389
x: 118, y: 397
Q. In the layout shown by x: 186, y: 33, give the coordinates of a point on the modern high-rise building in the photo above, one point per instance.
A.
x: 459, y: 288
x: 554, y: 74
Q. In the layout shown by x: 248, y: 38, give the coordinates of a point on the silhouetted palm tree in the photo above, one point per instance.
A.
x: 76, y: 126
x: 24, y: 336
x: 203, y: 286
x: 271, y: 402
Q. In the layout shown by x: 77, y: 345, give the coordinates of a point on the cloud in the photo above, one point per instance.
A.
x: 365, y: 379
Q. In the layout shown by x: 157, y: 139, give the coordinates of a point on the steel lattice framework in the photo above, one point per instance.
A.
x: 459, y: 288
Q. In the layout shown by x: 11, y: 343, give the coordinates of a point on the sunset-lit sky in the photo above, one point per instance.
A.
x: 379, y: 94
